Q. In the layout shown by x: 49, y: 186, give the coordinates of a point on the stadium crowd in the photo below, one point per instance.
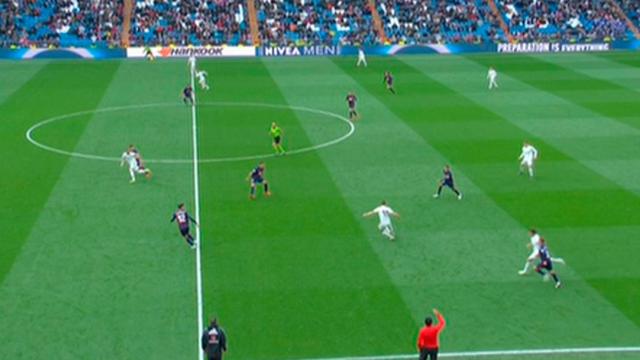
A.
x: 183, y: 22
x: 450, y: 21
x: 60, y: 23
x: 310, y: 22
x: 305, y: 22
x: 563, y: 20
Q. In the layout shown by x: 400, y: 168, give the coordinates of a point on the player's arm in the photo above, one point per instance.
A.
x: 368, y: 213
x: 535, y: 153
x: 173, y: 218
x: 192, y: 219
x: 122, y: 159
x: 395, y: 214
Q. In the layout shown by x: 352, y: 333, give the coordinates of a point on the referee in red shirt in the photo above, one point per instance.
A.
x: 428, y: 342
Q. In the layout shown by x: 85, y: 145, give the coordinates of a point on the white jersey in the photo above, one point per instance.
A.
x: 529, y: 153
x: 202, y: 76
x: 360, y: 54
x: 130, y: 158
x: 192, y: 63
x: 384, y: 214
x: 535, y: 242
x: 492, y: 74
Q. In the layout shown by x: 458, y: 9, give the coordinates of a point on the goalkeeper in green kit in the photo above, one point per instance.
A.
x: 276, y: 134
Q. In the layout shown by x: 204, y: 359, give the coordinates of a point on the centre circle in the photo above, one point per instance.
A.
x: 43, y: 123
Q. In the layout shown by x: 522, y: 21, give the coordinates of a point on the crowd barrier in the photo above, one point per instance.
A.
x: 321, y: 50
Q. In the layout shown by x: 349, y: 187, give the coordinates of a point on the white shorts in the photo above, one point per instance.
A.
x: 382, y: 226
x: 534, y: 255
x: 527, y: 162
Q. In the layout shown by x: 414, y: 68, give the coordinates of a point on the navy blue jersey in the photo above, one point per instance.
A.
x: 448, y: 177
x: 183, y: 218
x: 257, y: 173
x: 352, y: 99
x: 187, y: 92
x: 388, y: 79
x: 544, y: 255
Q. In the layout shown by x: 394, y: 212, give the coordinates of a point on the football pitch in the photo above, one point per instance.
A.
x: 91, y: 267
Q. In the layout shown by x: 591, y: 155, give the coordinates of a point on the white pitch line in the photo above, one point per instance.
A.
x: 495, y: 353
x: 32, y: 140
x: 196, y: 195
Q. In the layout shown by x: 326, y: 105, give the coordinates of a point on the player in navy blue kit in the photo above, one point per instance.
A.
x: 183, y: 218
x: 546, y: 263
x: 388, y: 80
x: 447, y: 181
x: 352, y: 101
x: 187, y: 95
x: 256, y: 177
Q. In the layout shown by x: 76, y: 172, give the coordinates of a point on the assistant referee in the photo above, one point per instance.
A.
x: 428, y: 341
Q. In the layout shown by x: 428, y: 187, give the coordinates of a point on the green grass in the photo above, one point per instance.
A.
x: 90, y: 266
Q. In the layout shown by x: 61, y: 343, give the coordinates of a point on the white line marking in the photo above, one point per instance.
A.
x: 196, y: 195
x: 30, y: 138
x: 496, y: 353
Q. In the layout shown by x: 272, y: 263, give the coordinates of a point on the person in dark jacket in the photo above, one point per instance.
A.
x: 214, y: 341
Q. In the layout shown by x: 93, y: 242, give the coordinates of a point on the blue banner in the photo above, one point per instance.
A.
x: 319, y: 50
x: 62, y: 53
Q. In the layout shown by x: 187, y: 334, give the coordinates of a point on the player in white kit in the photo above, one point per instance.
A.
x: 384, y: 215
x: 202, y: 79
x: 192, y: 64
x: 492, y: 76
x: 534, y: 245
x: 527, y: 158
x: 362, y: 59
x: 133, y: 160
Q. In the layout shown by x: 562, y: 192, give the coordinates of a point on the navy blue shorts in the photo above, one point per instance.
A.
x: 448, y: 183
x: 257, y: 181
x: 184, y: 231
x: 546, y: 265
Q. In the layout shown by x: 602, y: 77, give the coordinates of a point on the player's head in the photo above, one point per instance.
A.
x: 428, y: 321
x: 532, y: 231
x: 181, y: 206
x: 262, y: 165
x: 447, y: 167
x: 273, y: 124
x: 542, y: 241
x: 383, y: 202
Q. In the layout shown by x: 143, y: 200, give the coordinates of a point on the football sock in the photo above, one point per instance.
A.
x: 527, y: 265
x: 540, y: 272
x: 456, y: 191
x: 530, y: 171
x: 555, y: 277
x: 253, y: 190
x: 266, y: 187
x: 439, y: 190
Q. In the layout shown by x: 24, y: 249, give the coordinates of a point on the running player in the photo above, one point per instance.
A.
x: 256, y: 177
x: 527, y: 158
x: 388, y: 81
x: 202, y: 79
x: 546, y: 264
x: 534, y: 244
x: 183, y: 218
x: 187, y: 95
x: 352, y: 101
x: 492, y: 75
x: 191, y: 62
x: 362, y: 59
x: 384, y: 215
x: 447, y: 181
x: 276, y: 134
x: 132, y: 158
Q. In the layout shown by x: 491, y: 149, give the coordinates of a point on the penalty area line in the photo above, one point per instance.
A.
x: 497, y: 353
